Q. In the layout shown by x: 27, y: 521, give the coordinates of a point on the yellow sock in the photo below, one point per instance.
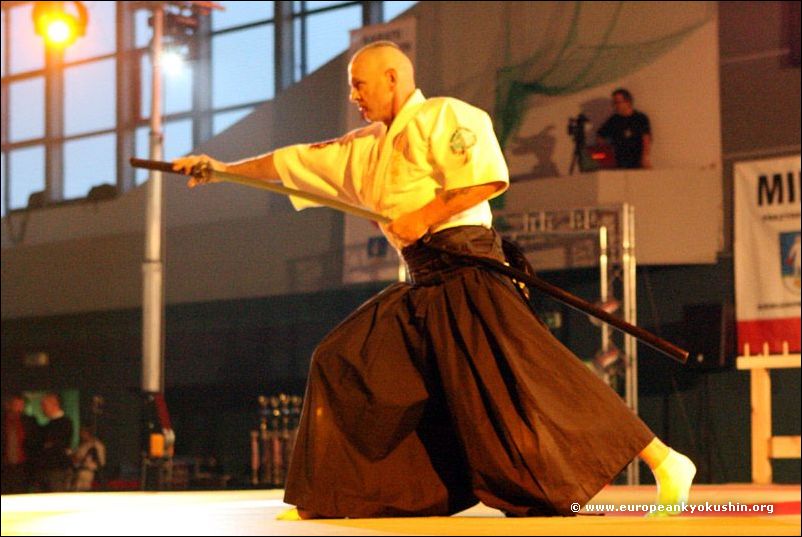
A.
x: 289, y: 514
x: 674, y: 477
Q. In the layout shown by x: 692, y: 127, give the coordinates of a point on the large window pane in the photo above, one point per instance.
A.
x: 177, y: 138
x: 239, y: 13
x: 242, y: 67
x: 177, y: 142
x: 297, y: 34
x: 100, y: 32
x: 318, y: 4
x: 27, y: 48
x: 142, y: 151
x: 27, y: 110
x: 89, y: 162
x: 27, y: 174
x: 2, y: 184
x: 223, y: 120
x: 143, y: 30
x: 89, y: 103
x: 394, y: 8
x: 3, y: 47
x: 327, y: 34
x: 176, y: 86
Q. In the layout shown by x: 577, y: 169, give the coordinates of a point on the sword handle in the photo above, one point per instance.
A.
x: 156, y: 165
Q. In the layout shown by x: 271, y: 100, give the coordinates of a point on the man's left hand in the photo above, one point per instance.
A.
x: 408, y: 228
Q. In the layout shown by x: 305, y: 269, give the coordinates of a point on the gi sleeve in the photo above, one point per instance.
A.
x: 464, y: 150
x: 329, y: 169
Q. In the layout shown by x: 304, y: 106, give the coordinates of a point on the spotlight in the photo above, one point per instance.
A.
x: 58, y: 26
x: 173, y: 61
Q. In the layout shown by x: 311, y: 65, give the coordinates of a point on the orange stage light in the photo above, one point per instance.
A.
x: 59, y: 27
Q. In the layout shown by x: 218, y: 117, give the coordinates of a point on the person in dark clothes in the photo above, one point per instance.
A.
x: 449, y: 390
x: 54, y: 465
x: 629, y: 132
x: 20, y: 440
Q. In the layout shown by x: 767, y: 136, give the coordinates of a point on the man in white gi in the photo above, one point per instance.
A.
x: 447, y: 391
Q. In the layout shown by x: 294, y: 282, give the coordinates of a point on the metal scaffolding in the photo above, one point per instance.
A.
x: 587, y: 237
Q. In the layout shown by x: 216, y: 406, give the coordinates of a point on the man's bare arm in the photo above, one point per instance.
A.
x: 451, y: 202
x: 412, y: 226
x: 261, y: 167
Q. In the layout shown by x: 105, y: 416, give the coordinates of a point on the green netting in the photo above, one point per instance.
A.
x: 588, y: 44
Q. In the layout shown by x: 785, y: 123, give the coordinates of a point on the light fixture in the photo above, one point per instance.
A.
x: 59, y: 25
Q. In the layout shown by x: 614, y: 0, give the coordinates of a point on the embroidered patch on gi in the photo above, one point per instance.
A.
x: 462, y: 140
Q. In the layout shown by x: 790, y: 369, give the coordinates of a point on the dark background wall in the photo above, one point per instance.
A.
x: 219, y: 358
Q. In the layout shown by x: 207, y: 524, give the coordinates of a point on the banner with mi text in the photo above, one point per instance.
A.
x: 767, y: 253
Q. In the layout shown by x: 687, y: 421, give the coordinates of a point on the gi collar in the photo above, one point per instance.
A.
x: 407, y: 111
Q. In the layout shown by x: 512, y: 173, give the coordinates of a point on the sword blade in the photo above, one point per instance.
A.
x: 272, y: 187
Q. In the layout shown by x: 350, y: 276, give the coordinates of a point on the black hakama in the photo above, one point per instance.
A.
x: 437, y: 394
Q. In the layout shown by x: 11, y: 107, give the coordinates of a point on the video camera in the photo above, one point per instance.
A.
x: 576, y: 128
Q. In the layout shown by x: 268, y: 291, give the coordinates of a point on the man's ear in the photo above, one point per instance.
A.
x: 392, y: 76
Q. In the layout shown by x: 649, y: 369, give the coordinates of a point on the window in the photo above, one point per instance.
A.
x: 242, y: 67
x: 3, y: 183
x: 100, y: 36
x: 89, y: 162
x: 3, y: 44
x: 143, y: 31
x: 176, y: 87
x: 328, y: 34
x: 27, y: 173
x: 240, y: 13
x: 312, y: 5
x: 27, y: 48
x: 322, y: 35
x: 242, y: 75
x: 392, y: 9
x: 89, y: 97
x: 27, y: 100
x: 223, y: 120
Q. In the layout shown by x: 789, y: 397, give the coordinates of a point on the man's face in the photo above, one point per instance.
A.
x: 371, y: 89
x: 621, y: 105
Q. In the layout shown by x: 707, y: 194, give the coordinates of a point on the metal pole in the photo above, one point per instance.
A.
x: 603, y: 283
x: 152, y: 266
x: 630, y: 316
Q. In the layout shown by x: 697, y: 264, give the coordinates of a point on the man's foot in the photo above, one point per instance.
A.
x: 295, y: 513
x: 674, y: 478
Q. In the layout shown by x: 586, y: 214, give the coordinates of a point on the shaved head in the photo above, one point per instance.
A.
x: 382, y: 78
x: 386, y: 55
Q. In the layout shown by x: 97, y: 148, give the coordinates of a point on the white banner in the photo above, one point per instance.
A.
x: 767, y: 256
x: 368, y: 257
